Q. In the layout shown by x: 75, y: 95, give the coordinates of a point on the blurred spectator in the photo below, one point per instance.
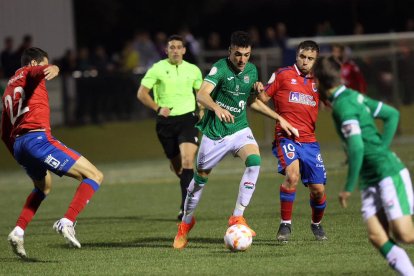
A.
x: 68, y: 62
x: 192, y: 45
x: 83, y: 61
x: 213, y: 41
x: 100, y: 60
x: 254, y: 34
x: 8, y: 59
x: 27, y: 42
x: 350, y: 73
x: 130, y: 59
x: 145, y: 47
x: 282, y: 35
x: 67, y: 65
x: 160, y: 41
x: 270, y: 39
x: 288, y: 54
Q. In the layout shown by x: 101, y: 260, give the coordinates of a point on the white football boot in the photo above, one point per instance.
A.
x: 17, y: 243
x: 67, y: 229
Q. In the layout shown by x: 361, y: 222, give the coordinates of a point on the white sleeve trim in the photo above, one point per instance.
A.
x: 210, y: 81
x: 377, y: 110
x: 350, y: 128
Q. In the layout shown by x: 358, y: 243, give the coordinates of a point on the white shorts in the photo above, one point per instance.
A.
x: 394, y: 194
x: 211, y: 152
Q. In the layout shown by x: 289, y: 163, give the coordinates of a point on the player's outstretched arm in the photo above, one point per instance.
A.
x: 204, y: 98
x: 262, y: 108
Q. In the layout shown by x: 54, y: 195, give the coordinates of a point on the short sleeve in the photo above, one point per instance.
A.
x: 272, y: 85
x: 215, y: 75
x: 198, y: 78
x: 150, y: 78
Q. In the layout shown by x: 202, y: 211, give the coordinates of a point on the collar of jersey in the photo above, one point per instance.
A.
x: 337, y: 92
x: 308, y: 76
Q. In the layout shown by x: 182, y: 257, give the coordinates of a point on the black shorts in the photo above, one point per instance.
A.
x: 174, y: 130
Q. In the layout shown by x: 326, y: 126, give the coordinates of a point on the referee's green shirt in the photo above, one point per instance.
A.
x: 173, y: 85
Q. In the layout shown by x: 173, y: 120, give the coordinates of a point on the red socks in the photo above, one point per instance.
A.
x: 287, y: 197
x: 82, y: 196
x: 33, y: 202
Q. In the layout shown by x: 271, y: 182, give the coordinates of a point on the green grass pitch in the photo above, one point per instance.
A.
x: 129, y: 225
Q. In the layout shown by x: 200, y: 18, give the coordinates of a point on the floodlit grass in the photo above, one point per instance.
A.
x: 129, y: 226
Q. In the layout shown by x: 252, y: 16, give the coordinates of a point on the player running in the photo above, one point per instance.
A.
x: 27, y: 134
x: 385, y: 183
x: 226, y: 92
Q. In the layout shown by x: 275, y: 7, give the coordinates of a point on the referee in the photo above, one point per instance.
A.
x: 173, y: 81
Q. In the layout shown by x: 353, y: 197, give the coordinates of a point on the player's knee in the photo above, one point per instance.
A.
x: 406, y: 237
x: 253, y: 160
x: 317, y: 194
x: 292, y: 179
x: 97, y: 176
x: 187, y: 162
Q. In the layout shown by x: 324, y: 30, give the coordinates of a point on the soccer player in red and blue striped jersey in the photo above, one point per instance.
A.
x: 27, y: 134
x: 295, y: 98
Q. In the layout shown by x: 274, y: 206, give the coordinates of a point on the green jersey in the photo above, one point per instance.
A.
x: 173, y: 85
x: 369, y: 157
x: 231, y: 92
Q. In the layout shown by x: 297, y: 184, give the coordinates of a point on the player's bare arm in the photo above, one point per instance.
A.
x: 262, y: 108
x: 51, y: 72
x: 143, y: 95
x: 204, y: 98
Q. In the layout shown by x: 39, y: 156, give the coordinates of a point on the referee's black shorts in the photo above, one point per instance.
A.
x: 174, y: 130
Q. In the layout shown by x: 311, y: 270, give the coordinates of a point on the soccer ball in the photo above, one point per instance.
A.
x: 238, y: 237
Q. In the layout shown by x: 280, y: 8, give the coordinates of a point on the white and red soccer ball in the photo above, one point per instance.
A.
x: 238, y: 237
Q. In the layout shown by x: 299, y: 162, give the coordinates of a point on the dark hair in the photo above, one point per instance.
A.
x: 308, y: 45
x: 33, y: 53
x: 176, y: 37
x: 240, y: 39
x: 328, y: 71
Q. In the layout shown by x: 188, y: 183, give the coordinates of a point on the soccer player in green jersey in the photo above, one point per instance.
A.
x: 173, y: 81
x: 226, y: 92
x: 385, y: 184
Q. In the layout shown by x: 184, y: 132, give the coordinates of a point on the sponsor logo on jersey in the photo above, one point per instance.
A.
x: 248, y: 185
x: 319, y: 158
x: 213, y: 71
x: 51, y: 161
x: 290, y: 155
x: 297, y: 97
x: 230, y: 78
x: 229, y: 108
x: 293, y: 81
x: 246, y: 79
x: 314, y: 88
x: 237, y: 88
x: 242, y: 104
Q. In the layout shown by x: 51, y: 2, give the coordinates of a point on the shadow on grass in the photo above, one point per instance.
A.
x: 25, y: 260
x: 151, y: 242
